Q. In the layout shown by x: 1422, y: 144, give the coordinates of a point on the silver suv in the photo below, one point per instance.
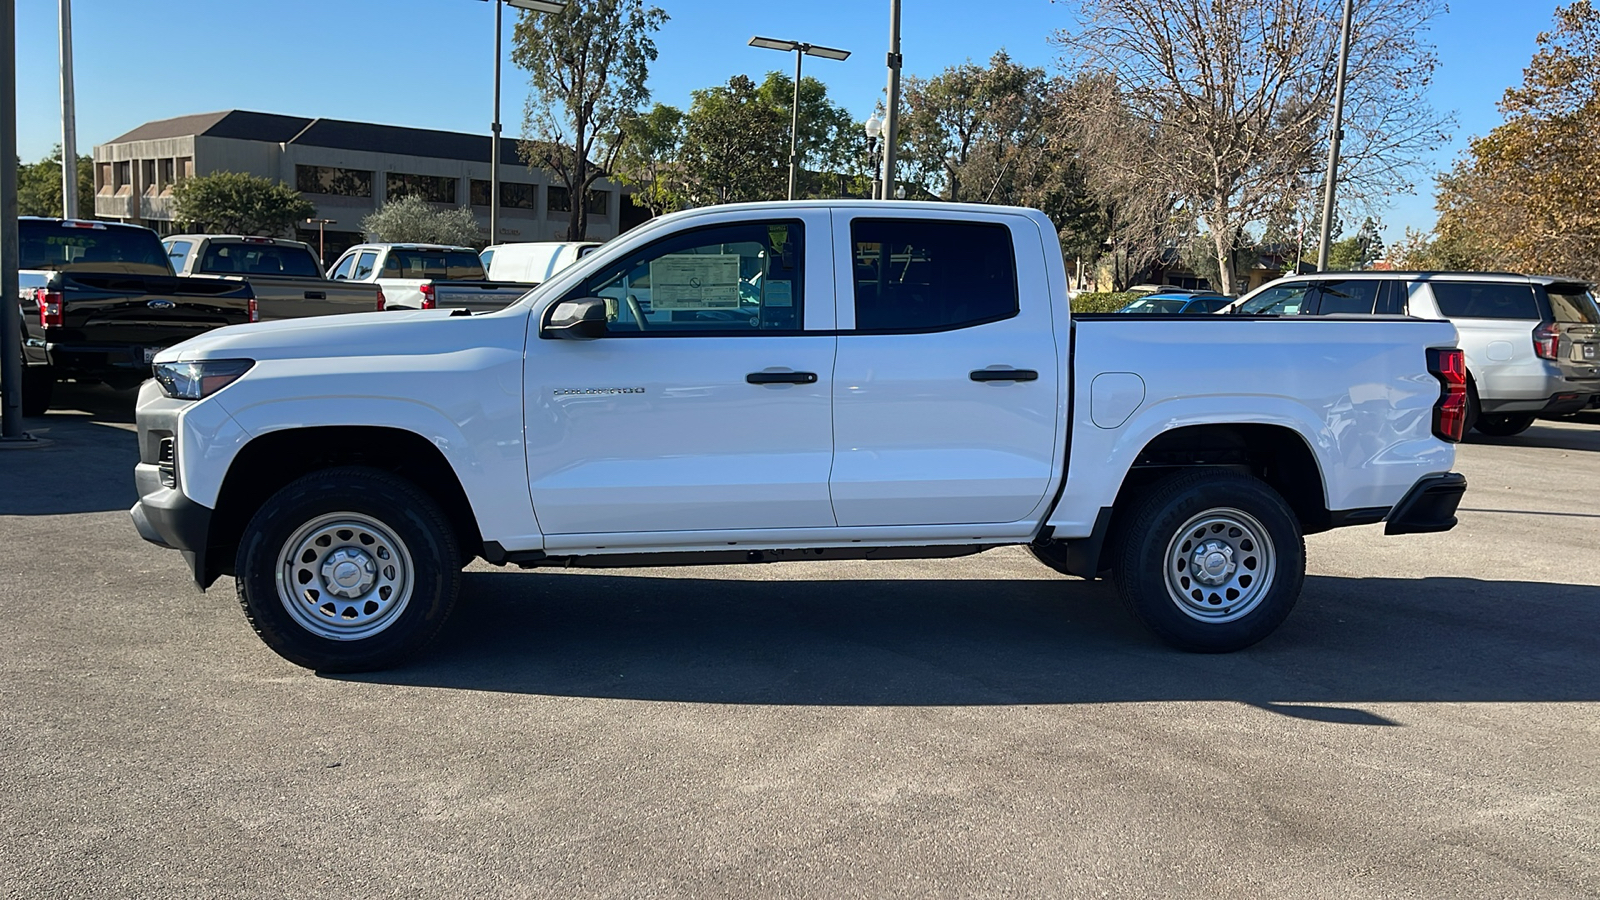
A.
x: 1531, y: 341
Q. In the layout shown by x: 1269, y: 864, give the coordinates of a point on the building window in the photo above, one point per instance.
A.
x: 185, y: 167
x: 432, y: 188
x: 147, y: 173
x: 558, y: 199
x: 103, y: 177
x: 165, y: 175
x: 123, y: 175
x: 597, y: 201
x: 513, y: 194
x: 332, y: 180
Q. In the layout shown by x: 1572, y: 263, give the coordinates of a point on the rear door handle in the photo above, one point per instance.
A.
x: 1004, y: 375
x: 781, y: 378
x: 316, y: 295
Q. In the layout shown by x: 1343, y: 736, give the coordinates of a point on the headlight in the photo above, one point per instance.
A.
x: 195, y: 380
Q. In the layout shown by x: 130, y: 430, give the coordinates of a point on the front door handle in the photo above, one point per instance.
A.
x: 781, y: 378
x: 1004, y: 375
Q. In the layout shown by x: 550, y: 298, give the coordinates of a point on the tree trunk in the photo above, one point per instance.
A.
x: 578, y: 200
x: 1222, y: 239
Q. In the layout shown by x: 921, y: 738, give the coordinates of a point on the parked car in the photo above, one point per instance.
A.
x: 533, y: 262
x: 1168, y: 302
x: 99, y: 299
x: 934, y: 398
x: 1530, y: 341
x: 426, y: 276
x: 285, y: 275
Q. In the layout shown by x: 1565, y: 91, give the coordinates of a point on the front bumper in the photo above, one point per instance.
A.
x: 166, y: 518
x: 1429, y: 506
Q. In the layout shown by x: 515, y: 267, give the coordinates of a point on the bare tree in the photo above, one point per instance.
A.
x: 587, y: 67
x: 1236, y: 99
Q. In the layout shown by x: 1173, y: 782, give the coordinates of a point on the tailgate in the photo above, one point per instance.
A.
x: 146, y: 310
x: 1578, y: 321
x: 478, y: 296
x: 285, y: 297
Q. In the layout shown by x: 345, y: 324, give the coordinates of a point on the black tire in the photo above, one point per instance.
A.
x: 1474, y: 409
x: 1504, y: 425
x: 368, y: 517
x: 38, y: 384
x: 1257, y: 582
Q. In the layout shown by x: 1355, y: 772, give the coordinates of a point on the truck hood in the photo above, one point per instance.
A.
x: 388, y: 333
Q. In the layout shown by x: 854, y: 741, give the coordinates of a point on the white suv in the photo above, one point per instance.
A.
x: 1531, y: 342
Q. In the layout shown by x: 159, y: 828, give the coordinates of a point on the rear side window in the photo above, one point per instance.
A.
x: 258, y: 259
x: 915, y: 275
x: 1354, y: 295
x: 1572, y: 303
x: 449, y: 265
x: 1485, y: 300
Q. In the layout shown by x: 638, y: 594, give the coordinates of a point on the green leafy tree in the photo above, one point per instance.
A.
x: 1357, y: 252
x: 830, y: 142
x: 238, y: 203
x: 1527, y: 195
x: 735, y: 145
x: 414, y: 220
x: 39, y: 186
x: 587, y: 67
x: 649, y: 159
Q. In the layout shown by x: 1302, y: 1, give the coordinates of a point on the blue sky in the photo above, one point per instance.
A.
x: 428, y: 63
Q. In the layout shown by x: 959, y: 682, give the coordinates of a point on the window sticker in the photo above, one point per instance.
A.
x: 694, y: 281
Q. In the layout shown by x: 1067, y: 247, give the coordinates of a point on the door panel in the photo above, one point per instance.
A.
x: 707, y: 406
x: 919, y: 438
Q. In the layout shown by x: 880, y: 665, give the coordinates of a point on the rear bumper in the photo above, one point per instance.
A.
x: 1572, y: 401
x: 1429, y: 506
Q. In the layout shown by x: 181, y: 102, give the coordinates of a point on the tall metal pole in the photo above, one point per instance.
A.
x: 1330, y: 181
x: 10, y: 310
x: 69, y: 120
x: 892, y: 120
x: 794, y: 121
x: 494, y: 139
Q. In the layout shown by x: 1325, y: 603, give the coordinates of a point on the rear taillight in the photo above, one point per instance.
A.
x: 383, y: 302
x: 1547, y: 340
x: 1449, y: 365
x: 429, y: 300
x: 255, y: 311
x: 52, y: 308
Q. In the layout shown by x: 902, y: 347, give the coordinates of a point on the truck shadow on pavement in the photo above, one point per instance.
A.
x: 87, y: 463
x: 993, y: 642
x: 1581, y: 433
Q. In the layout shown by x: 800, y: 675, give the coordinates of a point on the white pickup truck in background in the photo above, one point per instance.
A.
x: 812, y: 381
x: 426, y: 276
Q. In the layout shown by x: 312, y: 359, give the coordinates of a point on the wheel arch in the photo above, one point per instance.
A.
x: 267, y: 463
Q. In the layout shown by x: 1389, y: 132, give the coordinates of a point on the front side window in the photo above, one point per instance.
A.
x: 341, y: 272
x: 1353, y: 295
x: 738, y: 279
x: 917, y: 275
x: 1283, y: 300
x: 363, y: 269
x: 1485, y: 300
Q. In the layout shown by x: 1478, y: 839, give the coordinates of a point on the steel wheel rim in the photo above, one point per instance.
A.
x: 1219, y: 565
x: 344, y: 576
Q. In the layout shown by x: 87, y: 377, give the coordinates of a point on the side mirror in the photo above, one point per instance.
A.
x: 576, y: 320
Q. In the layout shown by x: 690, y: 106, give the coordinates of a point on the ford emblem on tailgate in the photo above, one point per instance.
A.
x: 161, y: 304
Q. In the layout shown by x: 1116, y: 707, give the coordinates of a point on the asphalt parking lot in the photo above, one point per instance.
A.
x: 1427, y: 723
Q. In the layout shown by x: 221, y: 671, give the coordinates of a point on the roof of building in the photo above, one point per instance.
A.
x: 245, y: 125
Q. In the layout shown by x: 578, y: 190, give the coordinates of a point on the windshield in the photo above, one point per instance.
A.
x: 1282, y: 300
x: 1156, y: 305
x: 446, y: 265
x: 259, y: 259
x: 50, y: 244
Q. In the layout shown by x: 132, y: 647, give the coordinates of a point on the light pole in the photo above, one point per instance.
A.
x: 874, y: 128
x: 11, y: 433
x: 800, y: 50
x: 69, y: 123
x: 549, y: 6
x: 892, y: 129
x: 1332, y: 178
x: 322, y: 258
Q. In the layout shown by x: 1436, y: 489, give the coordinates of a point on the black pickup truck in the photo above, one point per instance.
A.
x: 99, y: 299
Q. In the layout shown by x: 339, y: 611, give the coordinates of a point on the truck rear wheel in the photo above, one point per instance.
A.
x: 1210, y: 561
x: 1504, y: 425
x: 348, y: 570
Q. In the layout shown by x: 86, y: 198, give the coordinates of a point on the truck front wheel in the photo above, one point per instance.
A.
x: 1210, y: 561
x: 348, y: 570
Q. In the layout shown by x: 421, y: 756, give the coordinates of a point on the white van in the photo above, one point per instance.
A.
x: 533, y: 262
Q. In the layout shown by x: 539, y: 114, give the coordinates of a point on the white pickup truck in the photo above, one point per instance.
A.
x: 426, y: 276
x: 813, y: 381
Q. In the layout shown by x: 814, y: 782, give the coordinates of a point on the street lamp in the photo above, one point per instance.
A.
x: 874, y: 128
x: 322, y: 258
x: 548, y: 6
x: 1332, y: 179
x: 800, y: 51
